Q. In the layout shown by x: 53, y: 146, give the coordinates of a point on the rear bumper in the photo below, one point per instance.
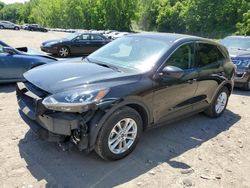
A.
x: 53, y: 123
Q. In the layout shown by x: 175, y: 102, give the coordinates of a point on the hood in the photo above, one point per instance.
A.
x: 55, y: 41
x: 59, y: 77
x: 236, y: 53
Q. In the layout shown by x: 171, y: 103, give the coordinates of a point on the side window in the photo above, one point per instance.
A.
x: 83, y: 37
x: 96, y: 37
x: 209, y: 55
x: 183, y: 57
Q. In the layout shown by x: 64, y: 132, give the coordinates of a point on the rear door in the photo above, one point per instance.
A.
x: 97, y: 42
x: 209, y: 60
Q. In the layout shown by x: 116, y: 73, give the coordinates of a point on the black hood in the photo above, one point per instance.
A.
x: 56, y: 41
x: 58, y: 77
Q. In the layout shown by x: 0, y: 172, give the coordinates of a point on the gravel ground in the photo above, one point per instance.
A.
x: 195, y: 152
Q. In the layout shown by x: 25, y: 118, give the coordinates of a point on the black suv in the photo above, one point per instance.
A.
x: 132, y: 84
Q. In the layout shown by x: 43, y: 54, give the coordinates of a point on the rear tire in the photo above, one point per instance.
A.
x: 218, y: 106
x: 119, y: 134
x: 1, y: 27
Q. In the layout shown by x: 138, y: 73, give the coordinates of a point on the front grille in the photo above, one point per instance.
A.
x: 32, y: 96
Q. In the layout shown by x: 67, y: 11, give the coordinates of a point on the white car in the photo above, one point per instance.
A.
x: 8, y: 25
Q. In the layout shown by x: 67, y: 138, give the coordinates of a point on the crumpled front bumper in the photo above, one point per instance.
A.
x: 42, y: 121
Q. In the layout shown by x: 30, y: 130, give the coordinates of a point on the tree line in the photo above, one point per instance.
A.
x: 209, y: 18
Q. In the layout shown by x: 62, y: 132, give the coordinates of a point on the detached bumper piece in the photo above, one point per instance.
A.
x: 51, y: 126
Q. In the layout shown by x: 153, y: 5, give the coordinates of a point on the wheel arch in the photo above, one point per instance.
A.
x: 228, y: 84
x: 100, y: 117
x: 64, y: 45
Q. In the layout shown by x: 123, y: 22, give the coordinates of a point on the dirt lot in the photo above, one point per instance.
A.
x: 195, y: 152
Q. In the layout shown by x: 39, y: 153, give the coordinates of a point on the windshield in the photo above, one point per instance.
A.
x: 71, y: 36
x: 239, y: 43
x: 139, y: 53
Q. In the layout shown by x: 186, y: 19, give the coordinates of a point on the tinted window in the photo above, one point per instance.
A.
x: 183, y: 57
x: 83, y: 37
x: 96, y: 37
x: 208, y: 54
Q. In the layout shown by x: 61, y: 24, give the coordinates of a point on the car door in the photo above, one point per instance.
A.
x: 96, y: 42
x: 9, y: 25
x: 81, y: 44
x: 210, y: 62
x: 174, y: 97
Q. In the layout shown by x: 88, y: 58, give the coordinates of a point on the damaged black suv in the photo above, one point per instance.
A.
x: 132, y: 84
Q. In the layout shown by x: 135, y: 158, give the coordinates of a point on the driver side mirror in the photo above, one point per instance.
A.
x: 171, y: 72
x: 9, y: 50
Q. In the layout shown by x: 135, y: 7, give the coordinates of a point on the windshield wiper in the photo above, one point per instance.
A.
x: 104, y: 65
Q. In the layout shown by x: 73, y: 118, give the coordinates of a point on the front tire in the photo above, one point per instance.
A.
x: 218, y: 106
x: 63, y: 51
x: 16, y: 28
x: 119, y: 134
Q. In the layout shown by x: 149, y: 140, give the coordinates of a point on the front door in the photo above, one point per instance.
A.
x: 174, y: 97
x: 12, y: 66
x: 81, y: 45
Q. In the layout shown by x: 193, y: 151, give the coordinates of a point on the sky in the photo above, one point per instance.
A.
x: 13, y: 1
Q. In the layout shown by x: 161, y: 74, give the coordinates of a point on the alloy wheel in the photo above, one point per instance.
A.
x: 221, y: 102
x: 63, y: 52
x: 122, y: 136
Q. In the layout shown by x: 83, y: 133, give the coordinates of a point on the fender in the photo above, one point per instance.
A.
x: 101, y: 116
x: 224, y: 83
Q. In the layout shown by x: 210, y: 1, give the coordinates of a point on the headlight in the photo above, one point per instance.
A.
x: 73, y: 101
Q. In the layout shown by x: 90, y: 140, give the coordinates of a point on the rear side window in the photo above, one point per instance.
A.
x: 208, y: 55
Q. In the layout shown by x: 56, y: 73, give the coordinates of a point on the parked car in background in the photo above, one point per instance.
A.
x: 239, y: 50
x: 35, y: 27
x: 119, y: 35
x: 75, y: 44
x: 133, y: 83
x: 9, y: 25
x: 14, y: 62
